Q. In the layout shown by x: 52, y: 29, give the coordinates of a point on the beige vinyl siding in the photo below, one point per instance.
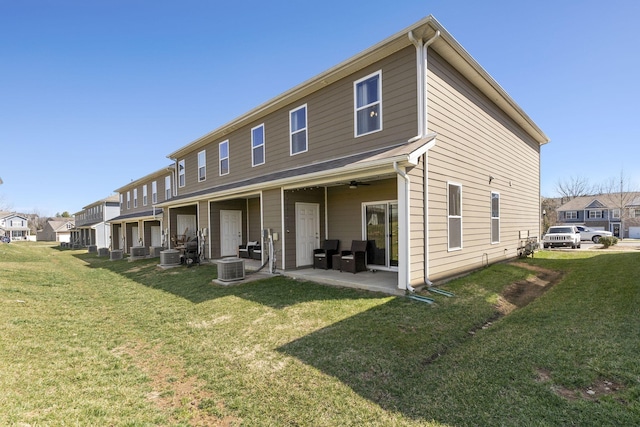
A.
x: 345, y: 208
x: 330, y: 127
x: 272, y: 218
x: 476, y: 140
x: 254, y: 227
x: 417, y: 224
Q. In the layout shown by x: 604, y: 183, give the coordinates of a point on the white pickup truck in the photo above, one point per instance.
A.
x: 562, y: 235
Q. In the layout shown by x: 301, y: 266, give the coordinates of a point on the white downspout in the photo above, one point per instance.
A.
x: 423, y: 130
x: 405, y: 270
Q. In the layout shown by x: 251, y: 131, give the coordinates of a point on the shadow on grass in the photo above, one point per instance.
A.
x: 195, y: 283
x: 405, y: 357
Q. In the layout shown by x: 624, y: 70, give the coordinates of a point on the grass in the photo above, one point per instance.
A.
x: 88, y: 341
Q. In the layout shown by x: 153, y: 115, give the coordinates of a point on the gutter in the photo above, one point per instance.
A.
x: 423, y: 131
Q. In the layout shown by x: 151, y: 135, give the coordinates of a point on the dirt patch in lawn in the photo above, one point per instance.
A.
x: 595, y: 391
x: 181, y: 396
x: 523, y: 292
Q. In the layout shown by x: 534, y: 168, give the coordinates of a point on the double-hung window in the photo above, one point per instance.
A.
x: 257, y: 145
x: 615, y: 214
x: 128, y: 200
x: 121, y: 200
x: 454, y: 217
x: 167, y: 187
x: 135, y: 198
x: 571, y: 215
x: 298, y: 130
x: 223, y: 149
x: 144, y: 195
x: 495, y: 217
x: 181, y: 173
x: 202, y: 165
x: 368, y: 104
x: 154, y: 192
x: 595, y: 214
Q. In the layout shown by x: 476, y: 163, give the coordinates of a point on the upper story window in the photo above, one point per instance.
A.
x: 368, y: 104
x: 223, y: 149
x: 121, y: 200
x: 615, y: 214
x: 257, y: 145
x: 144, y: 195
x: 571, y: 215
x: 128, y: 200
x: 595, y: 214
x: 181, y: 173
x: 636, y: 213
x: 298, y: 130
x: 154, y: 192
x: 454, y: 217
x: 495, y: 217
x: 202, y: 165
x: 135, y: 197
x: 167, y: 187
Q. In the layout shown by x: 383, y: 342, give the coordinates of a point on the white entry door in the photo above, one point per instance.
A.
x: 186, y: 226
x: 134, y: 236
x: 307, y: 232
x: 230, y: 232
x: 156, y: 235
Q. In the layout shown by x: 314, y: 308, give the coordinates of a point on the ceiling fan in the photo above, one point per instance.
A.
x: 355, y: 184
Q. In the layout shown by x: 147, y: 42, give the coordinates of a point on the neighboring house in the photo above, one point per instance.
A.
x: 15, y: 226
x: 91, y: 228
x: 615, y: 212
x: 139, y: 222
x: 410, y: 145
x: 56, y: 230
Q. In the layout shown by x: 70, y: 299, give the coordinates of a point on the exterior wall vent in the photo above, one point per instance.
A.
x: 230, y: 269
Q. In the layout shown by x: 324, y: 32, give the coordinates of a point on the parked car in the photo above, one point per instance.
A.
x: 5, y: 239
x: 587, y: 233
x: 562, y: 235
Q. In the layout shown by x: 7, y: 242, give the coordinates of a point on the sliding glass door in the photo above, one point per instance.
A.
x: 381, y: 229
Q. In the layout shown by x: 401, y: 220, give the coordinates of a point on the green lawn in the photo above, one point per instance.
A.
x: 88, y: 341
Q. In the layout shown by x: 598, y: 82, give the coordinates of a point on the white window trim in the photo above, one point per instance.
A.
x: 202, y: 165
x: 305, y: 129
x: 261, y: 146
x: 121, y: 200
x: 355, y: 103
x: 615, y: 213
x: 571, y: 215
x: 135, y: 198
x: 154, y: 192
x: 145, y: 195
x: 594, y: 211
x: 450, y: 249
x: 167, y: 187
x: 223, y: 158
x: 182, y: 174
x: 495, y: 217
x: 128, y: 199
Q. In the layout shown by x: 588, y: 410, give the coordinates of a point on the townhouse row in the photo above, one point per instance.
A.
x: 410, y: 145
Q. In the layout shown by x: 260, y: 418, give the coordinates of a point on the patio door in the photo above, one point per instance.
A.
x: 230, y: 232
x: 307, y: 232
x: 381, y: 227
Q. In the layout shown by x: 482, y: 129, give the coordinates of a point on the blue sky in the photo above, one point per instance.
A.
x: 94, y: 94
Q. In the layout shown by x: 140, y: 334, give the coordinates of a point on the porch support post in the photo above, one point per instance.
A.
x: 404, y: 253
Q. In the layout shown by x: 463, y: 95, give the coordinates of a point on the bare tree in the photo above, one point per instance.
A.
x: 574, y: 186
